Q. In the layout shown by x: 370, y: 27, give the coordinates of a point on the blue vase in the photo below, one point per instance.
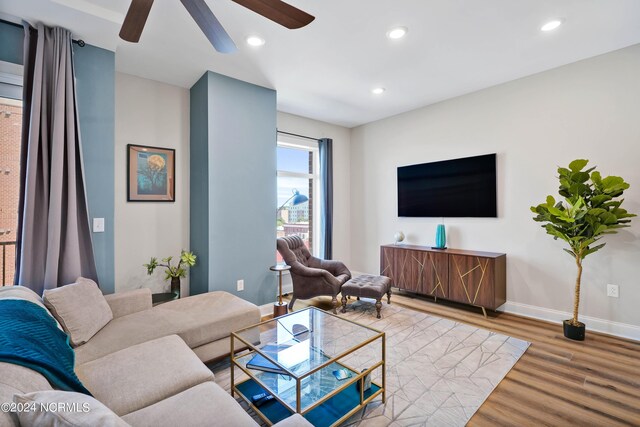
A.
x: 441, y: 237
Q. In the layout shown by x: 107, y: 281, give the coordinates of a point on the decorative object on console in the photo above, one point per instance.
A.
x: 469, y: 277
x: 174, y: 272
x: 441, y: 237
x: 151, y: 174
x: 591, y: 209
x: 398, y: 237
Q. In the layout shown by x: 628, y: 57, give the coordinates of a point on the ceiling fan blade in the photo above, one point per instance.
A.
x: 279, y: 12
x: 134, y: 21
x: 210, y: 26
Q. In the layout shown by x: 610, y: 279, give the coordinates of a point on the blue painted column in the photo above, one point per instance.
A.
x: 233, y: 187
x: 95, y: 91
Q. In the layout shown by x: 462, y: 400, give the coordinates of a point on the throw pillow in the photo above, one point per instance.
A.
x: 80, y: 308
x: 56, y: 408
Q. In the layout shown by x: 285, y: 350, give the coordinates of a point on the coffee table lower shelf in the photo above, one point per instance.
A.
x: 331, y: 412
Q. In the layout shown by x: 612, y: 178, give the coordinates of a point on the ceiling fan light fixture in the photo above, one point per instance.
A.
x: 551, y: 25
x: 255, y: 41
x: 397, y: 33
x: 274, y: 10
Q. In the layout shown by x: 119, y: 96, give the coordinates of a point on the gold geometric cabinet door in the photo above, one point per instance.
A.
x: 416, y: 271
x: 395, y: 263
x: 471, y: 280
x: 388, y: 264
x: 433, y: 273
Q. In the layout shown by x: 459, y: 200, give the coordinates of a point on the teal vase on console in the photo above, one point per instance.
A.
x: 441, y: 237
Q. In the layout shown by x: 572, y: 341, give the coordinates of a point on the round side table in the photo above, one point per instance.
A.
x: 280, y: 308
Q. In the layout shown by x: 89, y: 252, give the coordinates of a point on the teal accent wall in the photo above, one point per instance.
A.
x: 95, y: 90
x: 234, y: 190
x: 11, y: 50
x: 198, y: 185
x: 11, y: 47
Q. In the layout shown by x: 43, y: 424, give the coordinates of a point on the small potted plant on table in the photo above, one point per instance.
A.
x: 174, y: 272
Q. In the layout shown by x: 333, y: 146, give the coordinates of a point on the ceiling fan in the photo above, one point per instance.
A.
x: 275, y: 10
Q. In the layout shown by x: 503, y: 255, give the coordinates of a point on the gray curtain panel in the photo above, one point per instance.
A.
x: 54, y: 238
x: 326, y: 190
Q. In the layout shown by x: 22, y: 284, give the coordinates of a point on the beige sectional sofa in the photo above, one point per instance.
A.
x: 146, y: 365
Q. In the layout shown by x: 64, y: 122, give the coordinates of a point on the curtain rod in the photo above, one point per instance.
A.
x: 79, y: 42
x: 295, y: 134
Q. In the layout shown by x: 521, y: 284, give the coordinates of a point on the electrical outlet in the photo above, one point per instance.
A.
x: 240, y: 285
x: 98, y: 225
x: 613, y: 291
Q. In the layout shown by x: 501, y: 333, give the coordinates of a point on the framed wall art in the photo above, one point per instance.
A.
x: 151, y: 174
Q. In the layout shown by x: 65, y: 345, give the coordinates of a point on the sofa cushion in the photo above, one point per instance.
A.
x: 123, y: 332
x: 204, y: 405
x: 129, y: 302
x: 16, y: 379
x: 80, y: 308
x: 199, y: 320
x: 144, y: 374
x: 197, y: 314
x: 80, y: 410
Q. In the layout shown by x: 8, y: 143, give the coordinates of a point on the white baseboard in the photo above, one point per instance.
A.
x: 624, y: 330
x: 266, y: 310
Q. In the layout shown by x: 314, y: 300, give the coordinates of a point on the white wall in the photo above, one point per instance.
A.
x: 341, y: 175
x: 588, y: 109
x: 155, y: 114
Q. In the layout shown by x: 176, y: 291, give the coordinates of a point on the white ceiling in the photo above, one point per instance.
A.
x: 326, y: 70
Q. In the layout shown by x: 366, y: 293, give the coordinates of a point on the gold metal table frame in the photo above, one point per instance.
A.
x: 379, y: 335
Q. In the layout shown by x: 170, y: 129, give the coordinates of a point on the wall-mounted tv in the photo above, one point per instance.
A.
x: 451, y: 188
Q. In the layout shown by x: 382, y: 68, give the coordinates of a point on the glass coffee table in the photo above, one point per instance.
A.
x: 312, y: 362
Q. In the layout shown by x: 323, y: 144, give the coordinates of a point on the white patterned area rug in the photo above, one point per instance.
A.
x: 439, y: 371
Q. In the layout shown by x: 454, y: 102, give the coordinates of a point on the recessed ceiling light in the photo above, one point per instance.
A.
x: 397, y: 32
x: 255, y: 41
x: 378, y: 90
x: 551, y: 25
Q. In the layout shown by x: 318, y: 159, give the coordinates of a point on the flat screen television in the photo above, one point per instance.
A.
x: 450, y: 188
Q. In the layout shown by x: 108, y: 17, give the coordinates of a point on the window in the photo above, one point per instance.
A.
x: 297, y: 210
x: 10, y: 137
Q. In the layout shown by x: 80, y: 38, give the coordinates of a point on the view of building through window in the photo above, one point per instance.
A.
x: 10, y: 129
x: 296, y: 182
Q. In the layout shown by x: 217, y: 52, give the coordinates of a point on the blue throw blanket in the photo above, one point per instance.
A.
x: 30, y: 337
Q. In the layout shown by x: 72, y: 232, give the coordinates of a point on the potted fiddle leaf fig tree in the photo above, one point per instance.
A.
x: 174, y: 272
x: 590, y: 207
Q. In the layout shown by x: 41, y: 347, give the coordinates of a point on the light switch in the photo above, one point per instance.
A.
x: 98, y: 225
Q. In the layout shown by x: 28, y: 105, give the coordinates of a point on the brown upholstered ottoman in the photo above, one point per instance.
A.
x: 367, y: 286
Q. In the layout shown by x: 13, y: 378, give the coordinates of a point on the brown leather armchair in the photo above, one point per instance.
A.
x: 311, y: 276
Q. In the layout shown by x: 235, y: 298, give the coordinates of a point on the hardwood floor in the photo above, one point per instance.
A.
x: 557, y: 382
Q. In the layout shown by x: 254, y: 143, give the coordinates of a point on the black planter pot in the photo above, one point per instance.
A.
x: 573, y: 332
x: 175, y: 286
